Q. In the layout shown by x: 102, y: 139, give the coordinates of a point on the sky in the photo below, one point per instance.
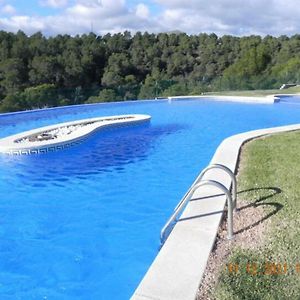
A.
x: 234, y: 17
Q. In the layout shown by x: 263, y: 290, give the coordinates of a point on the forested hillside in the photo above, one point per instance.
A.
x: 38, y: 72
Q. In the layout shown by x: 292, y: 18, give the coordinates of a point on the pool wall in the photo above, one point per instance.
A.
x: 177, y: 271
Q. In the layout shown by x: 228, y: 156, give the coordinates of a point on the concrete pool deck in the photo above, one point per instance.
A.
x: 270, y: 99
x: 177, y: 270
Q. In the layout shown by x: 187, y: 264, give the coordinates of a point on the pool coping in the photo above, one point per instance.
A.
x: 269, y: 99
x: 178, y: 268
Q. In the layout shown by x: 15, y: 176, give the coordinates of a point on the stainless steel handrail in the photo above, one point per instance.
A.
x: 200, y: 176
x: 229, y: 172
x: 164, y: 234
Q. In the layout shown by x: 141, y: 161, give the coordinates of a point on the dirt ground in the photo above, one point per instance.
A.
x: 249, y: 228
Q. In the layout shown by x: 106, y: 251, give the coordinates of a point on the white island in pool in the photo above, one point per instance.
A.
x: 63, y: 135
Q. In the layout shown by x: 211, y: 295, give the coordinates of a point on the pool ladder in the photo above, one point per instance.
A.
x: 231, y: 200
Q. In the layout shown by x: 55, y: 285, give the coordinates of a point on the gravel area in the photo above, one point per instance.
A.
x: 63, y: 131
x: 53, y: 134
x: 249, y: 227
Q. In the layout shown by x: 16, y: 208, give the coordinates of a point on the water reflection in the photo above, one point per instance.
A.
x: 106, y: 151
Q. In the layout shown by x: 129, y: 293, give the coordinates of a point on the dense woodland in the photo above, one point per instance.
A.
x: 38, y: 71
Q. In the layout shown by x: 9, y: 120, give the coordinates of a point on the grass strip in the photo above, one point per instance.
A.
x: 269, y: 177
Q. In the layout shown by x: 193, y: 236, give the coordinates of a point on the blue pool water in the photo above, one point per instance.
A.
x: 84, y: 223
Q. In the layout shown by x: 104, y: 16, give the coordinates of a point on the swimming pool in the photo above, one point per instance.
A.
x: 84, y: 223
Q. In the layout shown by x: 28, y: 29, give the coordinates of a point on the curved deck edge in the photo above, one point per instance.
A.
x: 10, y: 145
x: 269, y: 99
x: 178, y: 268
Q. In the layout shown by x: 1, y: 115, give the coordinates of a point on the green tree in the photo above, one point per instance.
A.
x: 106, y: 95
x: 118, y: 67
x: 13, y: 75
x: 40, y: 96
x: 144, y: 65
x: 13, y: 103
x: 44, y: 69
x: 177, y: 89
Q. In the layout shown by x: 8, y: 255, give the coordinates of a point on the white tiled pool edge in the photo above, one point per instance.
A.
x: 178, y: 268
x: 9, y: 145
